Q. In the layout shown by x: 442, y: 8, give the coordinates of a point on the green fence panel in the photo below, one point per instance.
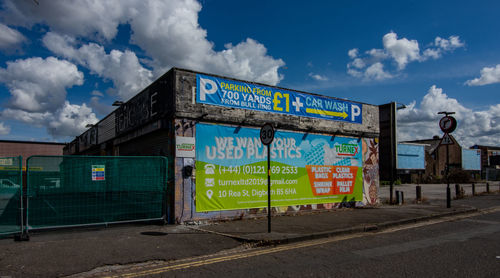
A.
x: 10, y: 195
x: 81, y: 190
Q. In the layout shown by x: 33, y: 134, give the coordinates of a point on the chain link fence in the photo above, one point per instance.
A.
x: 64, y: 191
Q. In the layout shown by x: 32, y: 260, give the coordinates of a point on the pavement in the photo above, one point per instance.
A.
x: 72, y: 251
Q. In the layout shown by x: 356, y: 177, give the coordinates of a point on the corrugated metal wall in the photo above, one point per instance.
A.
x: 106, y: 129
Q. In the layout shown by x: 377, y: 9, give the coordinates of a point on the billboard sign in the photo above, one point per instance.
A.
x: 235, y: 94
x: 471, y: 159
x: 411, y: 157
x: 231, y: 165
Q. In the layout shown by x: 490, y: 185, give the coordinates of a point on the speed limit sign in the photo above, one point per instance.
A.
x: 267, y: 134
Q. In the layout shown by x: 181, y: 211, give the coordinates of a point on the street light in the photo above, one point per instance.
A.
x: 118, y: 103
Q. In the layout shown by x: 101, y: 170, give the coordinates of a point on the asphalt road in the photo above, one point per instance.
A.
x: 467, y: 246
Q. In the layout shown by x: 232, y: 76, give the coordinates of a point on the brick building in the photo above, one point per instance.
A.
x: 490, y: 156
x: 435, y: 156
x: 29, y: 148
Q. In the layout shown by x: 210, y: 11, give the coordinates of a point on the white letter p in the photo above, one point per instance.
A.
x: 355, y: 111
x: 207, y: 87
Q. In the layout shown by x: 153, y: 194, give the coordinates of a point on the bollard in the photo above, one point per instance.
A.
x: 457, y: 191
x: 397, y: 197
x: 419, y: 193
x: 487, y: 187
x: 473, y: 189
x: 448, y: 197
x: 402, y: 197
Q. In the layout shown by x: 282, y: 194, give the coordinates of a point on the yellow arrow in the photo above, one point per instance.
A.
x: 327, y: 113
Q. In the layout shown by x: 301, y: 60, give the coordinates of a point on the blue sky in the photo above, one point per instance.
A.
x: 62, y: 63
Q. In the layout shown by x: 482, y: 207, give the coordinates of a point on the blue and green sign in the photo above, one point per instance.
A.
x: 230, y: 93
x: 231, y: 169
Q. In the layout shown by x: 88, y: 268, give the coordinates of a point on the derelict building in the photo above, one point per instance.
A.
x: 325, y: 151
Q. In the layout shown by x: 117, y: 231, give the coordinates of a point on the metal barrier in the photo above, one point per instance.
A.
x: 492, y: 174
x: 64, y: 191
x: 11, y: 206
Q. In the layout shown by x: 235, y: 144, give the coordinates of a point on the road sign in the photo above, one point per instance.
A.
x: 446, y: 140
x: 267, y: 134
x: 448, y: 124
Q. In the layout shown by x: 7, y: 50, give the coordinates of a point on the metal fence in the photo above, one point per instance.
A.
x: 11, y: 207
x: 65, y: 191
x: 492, y: 174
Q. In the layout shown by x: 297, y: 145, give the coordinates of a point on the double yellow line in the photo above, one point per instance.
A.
x: 237, y: 256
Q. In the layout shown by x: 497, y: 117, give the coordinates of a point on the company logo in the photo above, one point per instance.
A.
x: 347, y: 149
x: 185, y: 147
x: 207, y: 87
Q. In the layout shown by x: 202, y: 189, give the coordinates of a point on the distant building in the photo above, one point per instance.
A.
x: 28, y: 148
x: 490, y: 156
x: 435, y: 156
x: 490, y: 162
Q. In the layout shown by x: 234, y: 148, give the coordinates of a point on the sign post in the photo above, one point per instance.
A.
x: 266, y: 137
x: 447, y: 125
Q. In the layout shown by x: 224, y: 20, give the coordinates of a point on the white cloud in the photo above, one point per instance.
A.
x: 452, y: 43
x: 353, y: 53
x: 37, y: 84
x: 68, y: 120
x: 95, y: 19
x: 97, y: 93
x: 376, y: 71
x: 10, y: 38
x: 358, y: 63
x: 474, y: 127
x: 401, y: 52
x: 71, y: 120
x: 122, y: 67
x: 168, y: 31
x: 97, y: 106
x: 4, y: 129
x: 441, y: 46
x: 38, y: 89
x: 318, y: 77
x: 488, y: 76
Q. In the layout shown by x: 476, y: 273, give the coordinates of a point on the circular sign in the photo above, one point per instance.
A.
x: 447, y: 124
x: 267, y: 134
